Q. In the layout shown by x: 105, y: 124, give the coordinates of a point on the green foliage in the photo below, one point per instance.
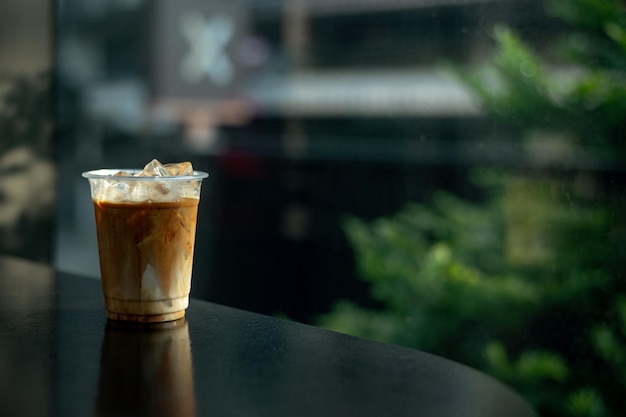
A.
x: 529, y: 367
x: 597, y: 31
x: 538, y: 374
x: 452, y: 281
x: 521, y: 90
x: 609, y: 340
x: 525, y: 285
x: 583, y: 93
x: 586, y: 403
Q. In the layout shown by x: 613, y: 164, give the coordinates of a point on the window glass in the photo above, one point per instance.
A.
x: 445, y: 175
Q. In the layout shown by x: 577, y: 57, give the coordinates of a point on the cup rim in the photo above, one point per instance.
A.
x: 109, y: 174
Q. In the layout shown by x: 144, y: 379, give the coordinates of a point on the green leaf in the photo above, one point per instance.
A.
x: 586, y: 402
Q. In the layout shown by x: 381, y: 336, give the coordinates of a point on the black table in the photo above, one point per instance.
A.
x: 60, y: 356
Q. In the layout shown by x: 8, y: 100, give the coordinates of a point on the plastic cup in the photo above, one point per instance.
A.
x: 146, y: 230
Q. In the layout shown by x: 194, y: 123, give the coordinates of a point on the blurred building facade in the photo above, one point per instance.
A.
x: 303, y: 112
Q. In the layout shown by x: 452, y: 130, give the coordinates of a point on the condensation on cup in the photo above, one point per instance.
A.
x: 146, y: 226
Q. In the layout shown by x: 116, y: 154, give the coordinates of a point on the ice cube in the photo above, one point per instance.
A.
x: 162, y: 188
x: 115, y: 191
x: 140, y: 191
x: 181, y: 168
x: 154, y: 169
x: 189, y: 189
x: 117, y: 188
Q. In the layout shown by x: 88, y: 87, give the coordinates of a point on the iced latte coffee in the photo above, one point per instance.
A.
x: 146, y: 225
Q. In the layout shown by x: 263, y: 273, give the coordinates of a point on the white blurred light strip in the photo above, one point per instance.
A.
x: 339, y: 7
x: 353, y: 93
x: 353, y: 6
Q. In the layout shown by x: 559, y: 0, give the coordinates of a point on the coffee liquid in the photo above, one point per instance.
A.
x: 146, y: 254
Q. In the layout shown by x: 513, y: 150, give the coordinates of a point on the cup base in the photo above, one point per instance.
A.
x: 146, y: 311
x: 151, y: 318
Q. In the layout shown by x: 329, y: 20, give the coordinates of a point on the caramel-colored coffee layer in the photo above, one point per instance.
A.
x: 146, y: 252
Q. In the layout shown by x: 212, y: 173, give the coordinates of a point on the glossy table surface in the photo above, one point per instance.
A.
x: 60, y: 356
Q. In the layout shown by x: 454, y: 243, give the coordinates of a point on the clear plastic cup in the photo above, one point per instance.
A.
x: 146, y: 230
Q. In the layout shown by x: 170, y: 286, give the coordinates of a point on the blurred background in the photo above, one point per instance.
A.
x: 442, y: 174
x: 27, y: 171
x: 302, y: 112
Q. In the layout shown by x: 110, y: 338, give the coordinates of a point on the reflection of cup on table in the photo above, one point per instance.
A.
x: 146, y: 369
x: 146, y: 225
